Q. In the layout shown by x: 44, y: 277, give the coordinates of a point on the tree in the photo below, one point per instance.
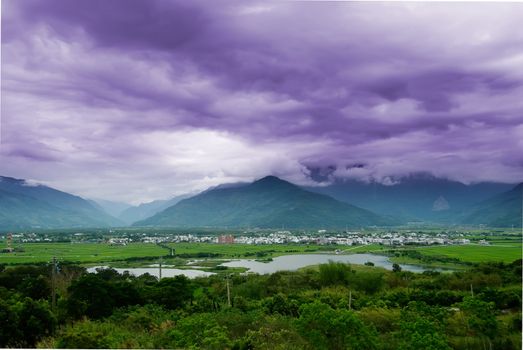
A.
x: 396, y: 267
x: 35, y: 321
x: 334, y: 273
x: 282, y: 305
x: 8, y: 325
x: 91, y: 296
x: 481, y: 317
x: 421, y: 327
x: 198, y: 331
x: 171, y: 293
x: 24, y: 321
x: 421, y: 334
x: 276, y: 333
x: 326, y: 328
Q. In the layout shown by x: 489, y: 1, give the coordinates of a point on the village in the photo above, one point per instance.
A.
x: 321, y: 237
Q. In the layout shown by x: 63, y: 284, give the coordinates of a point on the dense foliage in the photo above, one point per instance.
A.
x: 335, y: 306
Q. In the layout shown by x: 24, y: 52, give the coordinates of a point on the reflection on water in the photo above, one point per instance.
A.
x: 281, y: 263
x: 294, y: 262
x: 167, y: 272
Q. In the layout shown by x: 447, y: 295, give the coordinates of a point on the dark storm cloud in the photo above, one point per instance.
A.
x: 398, y: 87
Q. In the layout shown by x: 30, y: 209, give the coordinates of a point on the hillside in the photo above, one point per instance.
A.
x: 146, y: 210
x: 110, y: 207
x: 268, y: 203
x: 503, y: 210
x: 24, y: 205
x: 419, y: 197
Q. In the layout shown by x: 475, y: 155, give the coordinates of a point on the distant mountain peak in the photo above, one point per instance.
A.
x: 440, y: 204
x: 270, y: 178
x: 269, y: 183
x: 269, y: 202
x: 26, y: 203
x: 21, y: 182
x: 10, y: 179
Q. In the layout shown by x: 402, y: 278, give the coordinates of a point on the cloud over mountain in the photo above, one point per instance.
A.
x: 100, y: 97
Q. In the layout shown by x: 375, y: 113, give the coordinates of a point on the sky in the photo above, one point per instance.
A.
x: 136, y: 100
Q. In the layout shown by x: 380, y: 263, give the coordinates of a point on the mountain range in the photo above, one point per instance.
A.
x: 273, y: 203
x: 27, y: 205
x: 110, y: 207
x: 502, y: 210
x: 145, y: 210
x: 419, y: 197
x: 266, y: 203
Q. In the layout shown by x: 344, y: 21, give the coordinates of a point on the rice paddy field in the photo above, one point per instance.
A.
x: 102, y: 252
x: 79, y: 252
x: 86, y: 253
x: 246, y: 250
x: 505, y: 252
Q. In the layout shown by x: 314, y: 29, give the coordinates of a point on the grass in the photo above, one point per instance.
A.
x: 505, y: 252
x: 354, y: 267
x: 371, y: 248
x: 86, y: 253
x: 100, y: 252
x: 80, y: 252
x: 249, y: 250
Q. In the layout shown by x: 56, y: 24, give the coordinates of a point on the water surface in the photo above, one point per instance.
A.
x: 281, y: 263
x: 294, y: 262
x: 166, y: 272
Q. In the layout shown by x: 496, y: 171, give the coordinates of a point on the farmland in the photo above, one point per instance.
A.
x: 506, y: 252
x: 80, y: 252
x: 102, y: 252
x: 85, y: 253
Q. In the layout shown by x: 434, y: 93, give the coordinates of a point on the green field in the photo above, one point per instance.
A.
x: 246, y: 250
x: 505, y: 252
x: 80, y: 252
x: 100, y: 252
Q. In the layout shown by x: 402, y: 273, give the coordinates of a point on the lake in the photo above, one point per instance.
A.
x: 281, y: 263
x: 294, y: 262
x: 166, y: 272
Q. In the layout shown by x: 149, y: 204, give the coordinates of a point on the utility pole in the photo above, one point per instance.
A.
x: 53, y: 284
x: 160, y: 270
x: 471, y: 290
x: 228, y: 292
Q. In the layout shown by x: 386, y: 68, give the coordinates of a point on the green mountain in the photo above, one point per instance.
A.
x: 24, y: 205
x: 418, y: 197
x: 503, y: 210
x: 267, y: 203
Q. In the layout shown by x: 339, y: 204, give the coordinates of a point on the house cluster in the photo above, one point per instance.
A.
x: 325, y: 237
x: 188, y: 238
x: 353, y: 238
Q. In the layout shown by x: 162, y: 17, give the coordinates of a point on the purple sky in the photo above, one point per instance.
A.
x: 140, y: 100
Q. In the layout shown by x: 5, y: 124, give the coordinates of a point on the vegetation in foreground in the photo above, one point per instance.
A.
x: 331, y: 307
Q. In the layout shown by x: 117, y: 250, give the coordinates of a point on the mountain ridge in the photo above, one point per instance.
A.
x: 414, y: 198
x: 146, y: 210
x: 267, y: 202
x: 26, y: 205
x: 502, y: 210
